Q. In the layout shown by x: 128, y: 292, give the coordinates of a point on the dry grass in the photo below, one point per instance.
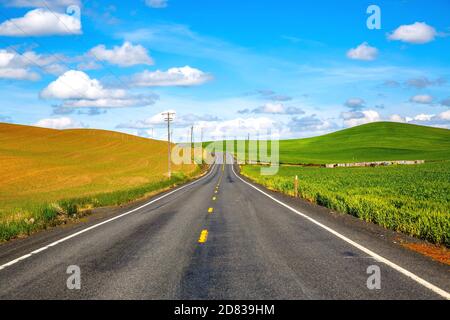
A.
x: 41, y: 166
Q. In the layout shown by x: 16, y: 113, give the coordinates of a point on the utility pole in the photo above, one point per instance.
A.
x: 169, y: 118
x: 192, y: 137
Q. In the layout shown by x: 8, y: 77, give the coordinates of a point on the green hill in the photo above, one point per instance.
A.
x: 370, y: 142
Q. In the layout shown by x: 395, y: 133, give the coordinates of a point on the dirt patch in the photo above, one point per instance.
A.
x: 436, y: 253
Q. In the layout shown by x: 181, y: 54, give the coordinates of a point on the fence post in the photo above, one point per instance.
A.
x: 296, y: 186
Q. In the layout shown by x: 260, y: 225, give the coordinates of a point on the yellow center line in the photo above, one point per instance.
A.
x: 203, y: 236
x: 210, y: 210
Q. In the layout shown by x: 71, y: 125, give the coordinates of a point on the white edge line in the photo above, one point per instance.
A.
x: 374, y: 255
x: 10, y: 263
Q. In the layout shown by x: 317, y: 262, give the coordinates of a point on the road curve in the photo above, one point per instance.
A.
x: 218, y: 238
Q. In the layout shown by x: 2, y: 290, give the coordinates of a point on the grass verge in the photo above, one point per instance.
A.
x: 46, y: 215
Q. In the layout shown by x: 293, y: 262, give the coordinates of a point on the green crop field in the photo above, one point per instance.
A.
x: 48, y: 174
x: 411, y: 199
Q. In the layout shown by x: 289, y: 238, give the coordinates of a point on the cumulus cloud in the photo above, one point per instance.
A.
x: 274, y: 108
x: 41, y: 22
x: 310, y: 123
x: 78, y: 90
x: 363, y: 52
x: 18, y: 74
x: 424, y: 82
x: 355, y: 103
x: 240, y: 127
x: 150, y: 122
x: 416, y: 33
x: 391, y: 84
x: 352, y: 115
x: 397, y: 118
x: 271, y: 95
x: 157, y: 4
x: 363, y: 117
x: 422, y: 99
x: 59, y: 123
x: 20, y: 66
x: 212, y: 127
x: 440, y: 120
x: 75, y: 84
x: 124, y: 56
x: 184, y: 76
x: 157, y: 120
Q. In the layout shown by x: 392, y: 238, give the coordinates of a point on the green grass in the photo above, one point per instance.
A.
x: 370, y: 142
x: 410, y: 199
x: 47, y: 215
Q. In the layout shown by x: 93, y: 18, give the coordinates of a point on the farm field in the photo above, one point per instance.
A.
x: 410, y: 199
x: 376, y: 141
x: 45, y: 173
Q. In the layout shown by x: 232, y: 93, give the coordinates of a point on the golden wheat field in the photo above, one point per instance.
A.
x: 44, y: 165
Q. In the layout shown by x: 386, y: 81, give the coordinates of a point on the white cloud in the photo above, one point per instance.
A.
x: 422, y: 99
x: 39, y: 3
x: 78, y: 90
x: 445, y: 115
x: 157, y: 4
x: 18, y: 74
x: 274, y: 108
x: 310, y: 123
x: 155, y: 120
x: 41, y: 22
x: 59, y: 123
x: 368, y: 116
x: 355, y: 103
x: 239, y: 127
x: 75, y: 84
x: 416, y: 33
x: 124, y: 56
x: 397, y: 118
x: 185, y: 76
x: 19, y: 66
x: 441, y: 120
x: 423, y: 117
x: 363, y: 52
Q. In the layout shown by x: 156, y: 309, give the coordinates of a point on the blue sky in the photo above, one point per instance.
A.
x: 300, y: 68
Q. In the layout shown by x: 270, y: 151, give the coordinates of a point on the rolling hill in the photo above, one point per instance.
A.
x: 370, y: 142
x: 39, y: 166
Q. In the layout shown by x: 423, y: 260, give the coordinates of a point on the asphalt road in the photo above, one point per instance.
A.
x: 248, y: 247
